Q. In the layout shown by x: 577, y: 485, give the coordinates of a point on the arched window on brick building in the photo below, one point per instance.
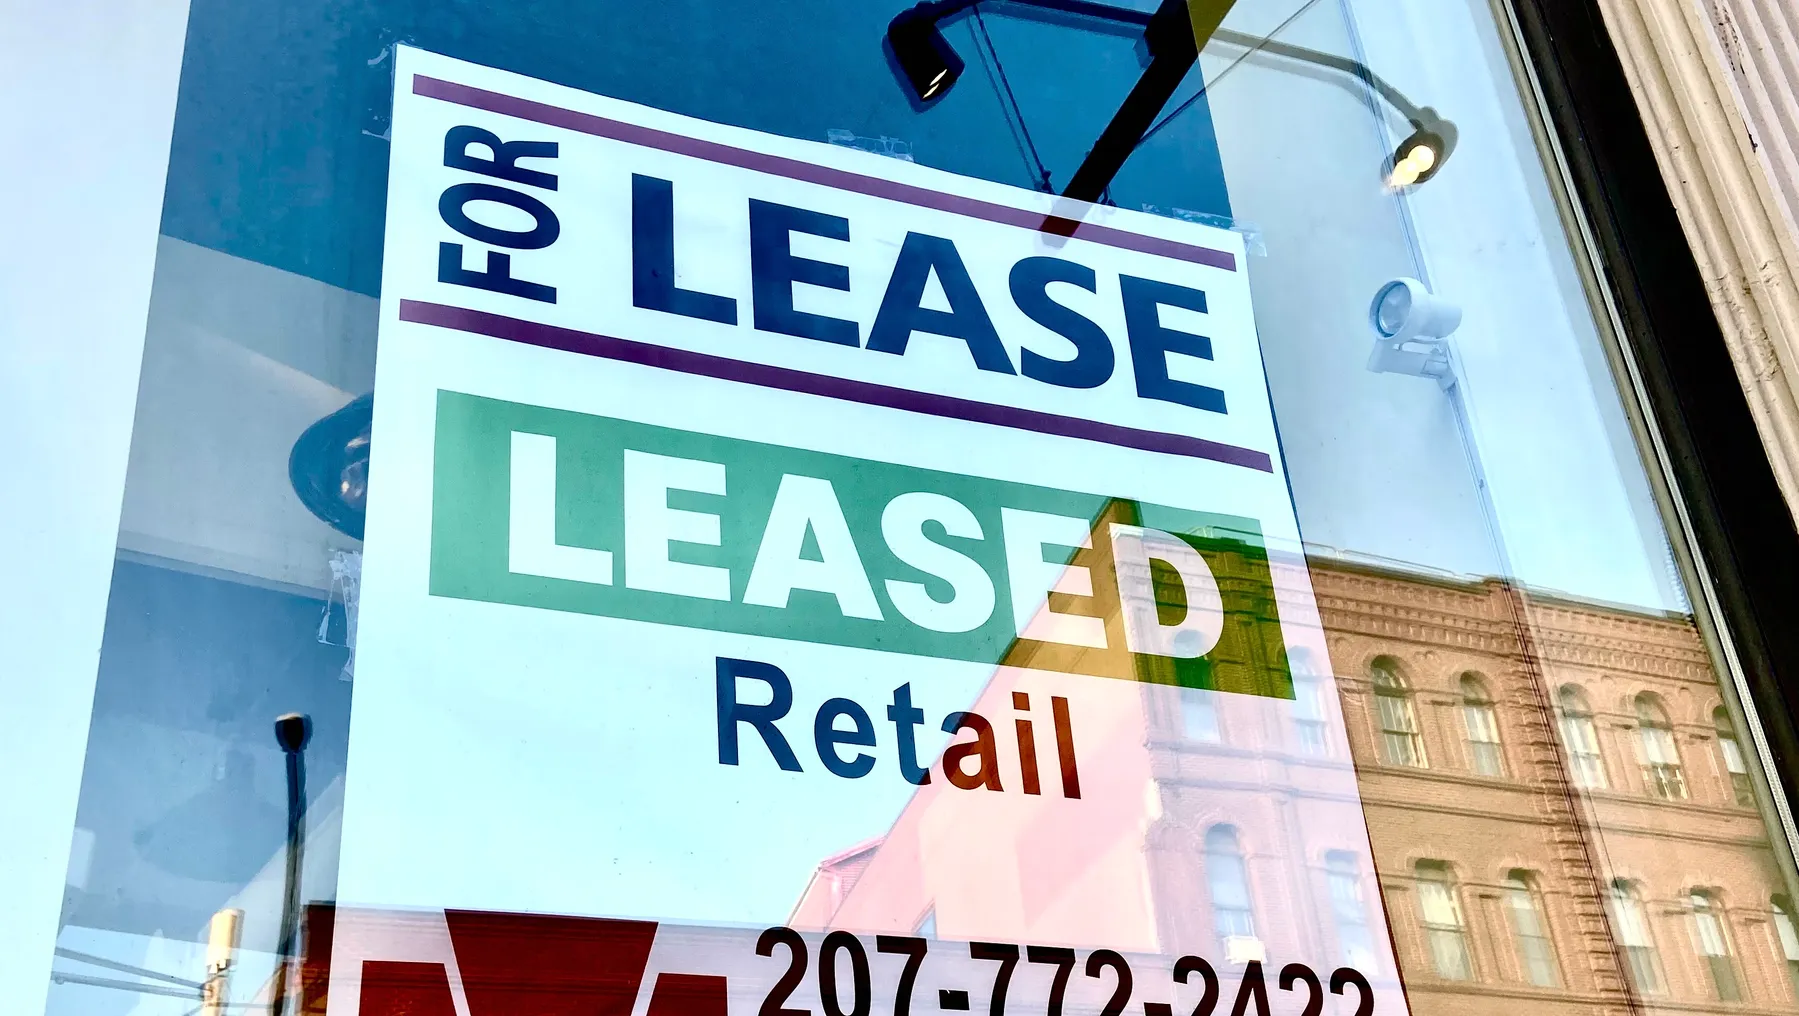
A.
x: 1581, y: 737
x: 1712, y: 942
x: 1736, y: 768
x: 1485, y: 755
x: 1786, y: 939
x: 1349, y: 911
x: 1530, y: 931
x: 1199, y: 715
x: 1445, y: 932
x: 1630, y: 922
x: 1228, y: 878
x: 1662, y: 775
x: 1199, y: 706
x: 1400, y: 744
x: 1311, y: 712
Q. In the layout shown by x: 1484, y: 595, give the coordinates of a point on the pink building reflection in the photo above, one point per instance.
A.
x: 1222, y: 824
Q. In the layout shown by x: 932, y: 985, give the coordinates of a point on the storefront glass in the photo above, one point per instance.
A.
x: 1252, y: 590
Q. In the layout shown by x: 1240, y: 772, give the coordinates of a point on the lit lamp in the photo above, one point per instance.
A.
x: 1174, y: 33
x: 1424, y: 151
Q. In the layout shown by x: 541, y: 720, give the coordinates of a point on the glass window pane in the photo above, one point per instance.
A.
x: 1484, y: 752
x: 1395, y: 714
x: 1714, y: 947
x: 1443, y: 931
x: 1783, y: 926
x: 1736, y: 767
x: 1355, y: 939
x: 1733, y: 757
x: 1662, y: 776
x: 1439, y: 904
x: 1536, y: 951
x: 1398, y: 722
x: 1711, y: 935
x: 1788, y: 940
x: 1627, y: 915
x: 1630, y: 924
x: 1581, y: 739
x: 1199, y: 714
x: 1228, y: 879
x: 1658, y: 746
x: 698, y: 466
x: 1311, y: 716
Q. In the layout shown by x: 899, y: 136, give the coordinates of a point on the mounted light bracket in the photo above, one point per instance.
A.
x: 1174, y: 34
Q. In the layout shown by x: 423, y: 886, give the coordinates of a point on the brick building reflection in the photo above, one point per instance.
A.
x: 1560, y: 816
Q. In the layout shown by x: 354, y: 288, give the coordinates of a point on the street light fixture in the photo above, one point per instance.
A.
x: 329, y: 466
x: 1174, y: 34
x: 293, y: 731
x: 926, y: 58
x: 1422, y: 154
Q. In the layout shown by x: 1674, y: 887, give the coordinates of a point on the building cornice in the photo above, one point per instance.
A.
x: 1472, y: 617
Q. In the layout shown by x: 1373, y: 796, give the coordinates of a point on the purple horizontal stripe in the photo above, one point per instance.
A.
x: 534, y: 333
x: 793, y: 169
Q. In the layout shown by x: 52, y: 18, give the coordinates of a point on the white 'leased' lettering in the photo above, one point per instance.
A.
x: 531, y: 547
x: 808, y: 503
x: 651, y: 525
x: 1033, y: 578
x: 1193, y: 636
x: 971, y: 588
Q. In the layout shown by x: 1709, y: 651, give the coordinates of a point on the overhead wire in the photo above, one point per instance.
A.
x: 1205, y: 85
x: 1035, y: 161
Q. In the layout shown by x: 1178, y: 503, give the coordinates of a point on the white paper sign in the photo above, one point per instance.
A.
x: 769, y: 533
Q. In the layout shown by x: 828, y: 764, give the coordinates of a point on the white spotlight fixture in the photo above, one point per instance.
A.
x: 1410, y: 325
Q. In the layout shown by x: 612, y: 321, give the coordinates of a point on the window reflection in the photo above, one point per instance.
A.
x: 1419, y: 799
x: 1662, y: 776
x: 1736, y: 768
x: 1199, y: 715
x: 1400, y: 743
x: 1485, y: 757
x: 1714, y: 948
x: 1581, y: 738
x: 927, y: 925
x: 1787, y: 939
x: 1355, y: 942
x: 1445, y: 934
x: 1536, y: 951
x: 1311, y: 715
x: 1630, y: 922
x: 1228, y: 879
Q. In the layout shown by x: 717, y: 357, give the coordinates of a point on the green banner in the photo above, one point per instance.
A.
x: 567, y: 511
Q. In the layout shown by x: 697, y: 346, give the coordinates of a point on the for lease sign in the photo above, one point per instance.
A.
x: 767, y: 533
